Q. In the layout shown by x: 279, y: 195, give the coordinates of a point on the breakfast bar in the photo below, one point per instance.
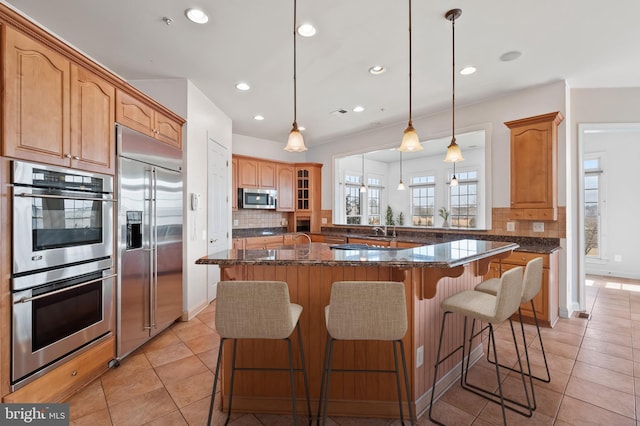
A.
x: 430, y: 273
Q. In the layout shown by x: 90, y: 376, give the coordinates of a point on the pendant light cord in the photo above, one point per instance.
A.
x: 410, y: 103
x: 453, y: 78
x: 295, y: 94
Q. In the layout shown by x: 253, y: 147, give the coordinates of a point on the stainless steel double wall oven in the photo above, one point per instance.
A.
x: 62, y: 277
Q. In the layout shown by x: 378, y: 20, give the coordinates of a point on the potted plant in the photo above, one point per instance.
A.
x: 400, y: 220
x: 444, y: 214
x: 390, y: 220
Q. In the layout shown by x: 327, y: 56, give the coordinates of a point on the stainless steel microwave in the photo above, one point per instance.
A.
x: 257, y: 198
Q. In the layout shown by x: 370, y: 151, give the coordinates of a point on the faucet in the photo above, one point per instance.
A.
x: 301, y: 234
x: 377, y: 228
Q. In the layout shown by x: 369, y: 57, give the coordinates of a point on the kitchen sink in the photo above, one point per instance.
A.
x: 359, y: 246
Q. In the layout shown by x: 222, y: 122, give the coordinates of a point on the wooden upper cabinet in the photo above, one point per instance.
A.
x: 247, y: 173
x: 286, y: 197
x: 534, y: 167
x: 254, y: 173
x: 36, y: 108
x: 92, y: 122
x: 308, y: 188
x: 140, y: 116
x: 266, y: 175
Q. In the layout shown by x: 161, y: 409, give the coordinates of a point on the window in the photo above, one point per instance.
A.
x: 423, y: 196
x: 592, y: 196
x: 373, y: 206
x: 352, y: 199
x: 463, y: 200
x: 374, y: 200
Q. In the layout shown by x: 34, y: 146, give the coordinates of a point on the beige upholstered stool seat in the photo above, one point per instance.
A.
x: 531, y: 285
x: 366, y: 310
x: 492, y: 309
x: 257, y: 310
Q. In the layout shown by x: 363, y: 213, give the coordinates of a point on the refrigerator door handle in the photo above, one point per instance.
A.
x: 151, y: 244
x: 154, y: 264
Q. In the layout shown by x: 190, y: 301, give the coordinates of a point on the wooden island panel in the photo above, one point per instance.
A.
x: 351, y: 394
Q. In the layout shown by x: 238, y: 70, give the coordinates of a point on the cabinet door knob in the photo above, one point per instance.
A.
x: 75, y: 157
x: 74, y: 373
x: 68, y: 156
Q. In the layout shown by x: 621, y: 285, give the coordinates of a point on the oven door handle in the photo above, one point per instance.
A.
x: 62, y: 290
x: 66, y: 197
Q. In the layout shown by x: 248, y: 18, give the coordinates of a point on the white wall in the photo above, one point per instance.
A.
x: 204, y: 120
x: 264, y: 148
x: 526, y: 103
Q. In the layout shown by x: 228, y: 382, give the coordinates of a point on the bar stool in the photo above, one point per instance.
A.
x: 493, y: 310
x: 366, y: 310
x: 257, y: 310
x: 532, y: 282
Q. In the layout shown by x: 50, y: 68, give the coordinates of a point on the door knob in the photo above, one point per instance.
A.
x: 213, y: 240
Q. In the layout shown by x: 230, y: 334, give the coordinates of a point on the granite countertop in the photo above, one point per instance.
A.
x: 526, y: 244
x: 442, y: 255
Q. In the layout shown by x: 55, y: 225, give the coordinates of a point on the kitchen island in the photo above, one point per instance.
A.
x: 430, y: 273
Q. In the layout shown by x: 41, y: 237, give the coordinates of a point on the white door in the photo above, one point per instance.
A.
x: 218, y: 209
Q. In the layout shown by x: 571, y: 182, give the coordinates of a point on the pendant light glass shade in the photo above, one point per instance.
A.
x: 453, y: 152
x: 295, y: 143
x: 410, y: 139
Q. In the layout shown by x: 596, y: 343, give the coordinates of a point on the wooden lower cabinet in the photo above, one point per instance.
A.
x: 271, y: 241
x: 61, y: 383
x: 546, y: 301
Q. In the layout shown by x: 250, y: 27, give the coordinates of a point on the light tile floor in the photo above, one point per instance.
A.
x: 595, y: 368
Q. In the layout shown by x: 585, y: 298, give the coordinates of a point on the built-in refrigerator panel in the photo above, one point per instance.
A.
x: 149, y: 238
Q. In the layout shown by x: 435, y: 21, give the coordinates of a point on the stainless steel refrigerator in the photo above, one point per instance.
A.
x: 149, y: 240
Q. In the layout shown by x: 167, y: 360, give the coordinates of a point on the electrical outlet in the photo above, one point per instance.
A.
x: 511, y: 226
x: 235, y: 222
x: 420, y: 356
x: 617, y: 258
x: 538, y: 226
x: 324, y: 220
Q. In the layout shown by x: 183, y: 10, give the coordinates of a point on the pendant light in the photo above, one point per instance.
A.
x: 453, y: 150
x: 454, y: 180
x: 401, y: 186
x: 363, y: 187
x: 295, y: 143
x: 410, y: 139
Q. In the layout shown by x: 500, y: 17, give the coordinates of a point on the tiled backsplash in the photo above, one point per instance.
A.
x: 247, y: 218
x: 524, y: 228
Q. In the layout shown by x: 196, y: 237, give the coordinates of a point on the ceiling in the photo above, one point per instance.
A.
x: 588, y: 43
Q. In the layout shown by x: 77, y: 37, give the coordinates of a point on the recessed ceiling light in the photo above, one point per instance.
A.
x: 197, y: 16
x: 242, y: 86
x: 258, y: 117
x: 468, y: 70
x: 307, y: 30
x: 510, y: 56
x: 377, y: 69
x: 358, y: 108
